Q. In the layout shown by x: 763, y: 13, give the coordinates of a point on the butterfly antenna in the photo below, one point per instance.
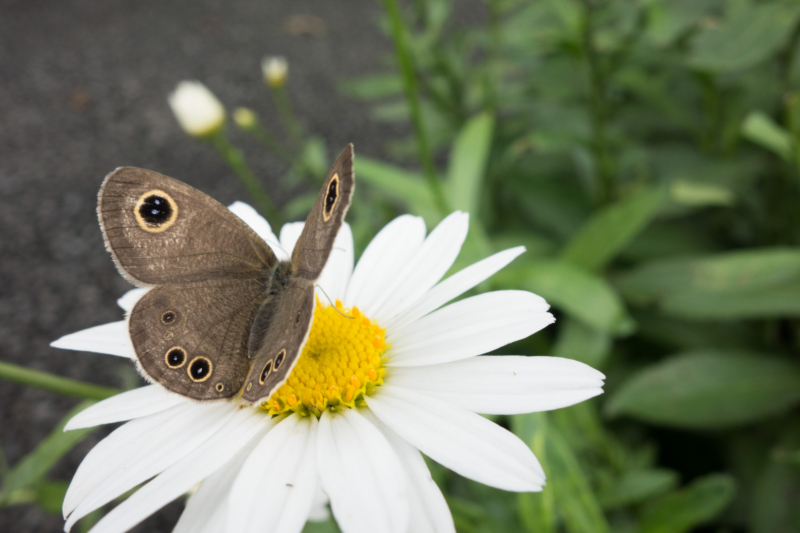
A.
x: 332, y: 304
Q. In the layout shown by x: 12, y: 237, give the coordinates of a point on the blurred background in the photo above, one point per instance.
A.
x: 646, y: 152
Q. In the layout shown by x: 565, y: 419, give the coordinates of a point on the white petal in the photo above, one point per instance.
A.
x: 461, y: 440
x: 260, y: 225
x: 106, y: 456
x: 129, y: 299
x: 454, y: 286
x: 428, y: 509
x: 469, y: 327
x: 385, y: 257
x: 167, y: 444
x: 336, y: 274
x: 200, y: 463
x: 507, y: 384
x: 111, y: 339
x: 289, y: 234
x: 361, y: 474
x: 277, y: 485
x: 424, y: 269
x: 128, y: 405
x: 207, y: 509
x: 319, y: 507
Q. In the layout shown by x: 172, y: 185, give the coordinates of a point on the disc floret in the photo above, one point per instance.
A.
x: 342, y: 362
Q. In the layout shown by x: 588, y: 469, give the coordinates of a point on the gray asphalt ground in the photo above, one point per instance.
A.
x: 83, y: 88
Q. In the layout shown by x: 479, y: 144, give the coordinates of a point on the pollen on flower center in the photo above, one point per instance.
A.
x: 340, y: 364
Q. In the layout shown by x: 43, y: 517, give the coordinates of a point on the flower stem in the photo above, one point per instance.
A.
x: 410, y: 83
x: 598, y: 108
x: 281, y: 98
x: 52, y: 383
x: 235, y: 159
x: 271, y: 142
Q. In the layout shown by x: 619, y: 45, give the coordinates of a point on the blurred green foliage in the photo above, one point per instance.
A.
x: 646, y: 153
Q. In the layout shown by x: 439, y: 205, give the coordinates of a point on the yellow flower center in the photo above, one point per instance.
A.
x: 340, y: 364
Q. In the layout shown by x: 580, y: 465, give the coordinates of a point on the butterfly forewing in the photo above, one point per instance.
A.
x: 161, y: 231
x: 325, y: 219
x: 192, y: 338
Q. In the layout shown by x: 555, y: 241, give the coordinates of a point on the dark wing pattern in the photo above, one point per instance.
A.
x: 192, y: 338
x: 316, y: 241
x: 283, y: 343
x: 161, y: 231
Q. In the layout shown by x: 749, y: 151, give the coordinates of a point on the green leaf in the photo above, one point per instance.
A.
x: 746, y: 37
x: 579, y: 293
x: 50, y: 495
x: 754, y: 283
x: 536, y: 510
x: 328, y: 526
x: 32, y: 468
x: 668, y: 19
x: 611, y: 229
x: 574, y: 498
x: 314, y: 158
x: 774, y: 508
x: 582, y: 343
x: 373, y: 86
x: 759, y: 128
x: 398, y: 183
x: 709, y: 389
x: 694, y: 194
x: 467, y: 168
x: 637, y: 486
x: 699, y: 502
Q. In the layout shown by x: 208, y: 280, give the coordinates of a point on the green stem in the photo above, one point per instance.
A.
x: 410, y: 82
x: 281, y: 98
x: 271, y: 142
x: 599, y: 109
x: 235, y: 159
x: 57, y: 384
x: 493, y: 65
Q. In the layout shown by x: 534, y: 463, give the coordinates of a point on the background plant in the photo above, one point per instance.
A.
x: 646, y: 154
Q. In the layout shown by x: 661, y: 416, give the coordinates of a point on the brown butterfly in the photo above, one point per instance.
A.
x: 223, y: 315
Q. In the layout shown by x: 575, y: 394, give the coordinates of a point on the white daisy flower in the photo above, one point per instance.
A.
x: 368, y: 394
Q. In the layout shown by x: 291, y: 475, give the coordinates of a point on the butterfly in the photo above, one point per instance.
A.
x: 223, y: 315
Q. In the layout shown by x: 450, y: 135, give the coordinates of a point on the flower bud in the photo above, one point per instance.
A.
x: 245, y: 118
x: 275, y: 70
x: 196, y: 108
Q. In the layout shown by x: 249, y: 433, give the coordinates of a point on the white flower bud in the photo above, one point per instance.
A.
x: 245, y: 118
x: 275, y: 70
x: 198, y: 111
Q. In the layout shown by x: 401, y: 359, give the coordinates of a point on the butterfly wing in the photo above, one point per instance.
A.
x: 316, y: 241
x: 192, y: 338
x: 161, y: 231
x: 284, y: 341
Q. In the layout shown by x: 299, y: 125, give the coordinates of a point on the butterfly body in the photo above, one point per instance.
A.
x: 223, y: 315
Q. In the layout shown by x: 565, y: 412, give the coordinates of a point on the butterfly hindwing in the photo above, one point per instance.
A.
x: 161, y: 231
x: 325, y: 219
x: 283, y: 342
x: 192, y: 338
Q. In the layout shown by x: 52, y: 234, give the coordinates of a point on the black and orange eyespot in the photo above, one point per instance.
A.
x: 170, y: 318
x: 155, y: 211
x: 219, y: 387
x: 200, y: 369
x: 265, y: 372
x: 331, y: 197
x: 279, y: 359
x: 175, y: 357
